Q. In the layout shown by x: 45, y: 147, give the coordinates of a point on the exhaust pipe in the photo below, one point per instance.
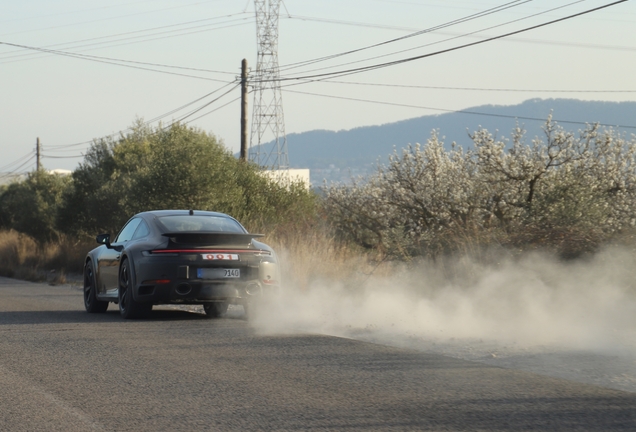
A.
x: 253, y: 289
x: 183, y: 289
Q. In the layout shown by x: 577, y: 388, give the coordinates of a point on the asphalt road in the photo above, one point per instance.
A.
x: 62, y: 369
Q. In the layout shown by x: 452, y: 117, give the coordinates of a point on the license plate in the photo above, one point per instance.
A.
x: 220, y: 257
x: 217, y: 273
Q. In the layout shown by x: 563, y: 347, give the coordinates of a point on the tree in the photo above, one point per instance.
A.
x: 178, y: 167
x: 561, y: 190
x: 30, y: 206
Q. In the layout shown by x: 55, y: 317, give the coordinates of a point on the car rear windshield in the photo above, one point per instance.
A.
x: 200, y: 223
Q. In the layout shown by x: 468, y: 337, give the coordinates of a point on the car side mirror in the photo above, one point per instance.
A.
x: 104, y: 239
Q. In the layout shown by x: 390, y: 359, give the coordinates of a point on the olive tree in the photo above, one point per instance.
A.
x: 176, y: 167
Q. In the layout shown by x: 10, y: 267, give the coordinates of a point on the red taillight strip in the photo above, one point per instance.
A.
x: 207, y: 251
x: 156, y: 282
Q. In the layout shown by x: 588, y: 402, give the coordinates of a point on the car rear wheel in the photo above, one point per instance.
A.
x: 128, y: 307
x: 91, y: 303
x: 215, y: 310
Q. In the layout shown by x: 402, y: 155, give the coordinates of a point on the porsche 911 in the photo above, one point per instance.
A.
x: 186, y: 257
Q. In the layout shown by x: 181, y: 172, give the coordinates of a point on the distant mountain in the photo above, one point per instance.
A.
x: 336, y: 155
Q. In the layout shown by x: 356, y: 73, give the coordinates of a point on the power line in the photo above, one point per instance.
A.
x: 205, y: 105
x: 7, y: 57
x: 448, y: 39
x: 409, y: 59
x: 61, y: 157
x: 411, y: 29
x: 106, y: 60
x: 72, y: 147
x: 451, y: 111
x: 471, y: 88
x: 28, y: 156
x: 106, y: 19
x: 417, y: 33
x: 214, y: 110
x: 15, y: 170
x: 128, y: 3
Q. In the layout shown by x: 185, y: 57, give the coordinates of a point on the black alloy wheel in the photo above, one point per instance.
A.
x: 91, y: 303
x: 215, y: 310
x: 128, y: 307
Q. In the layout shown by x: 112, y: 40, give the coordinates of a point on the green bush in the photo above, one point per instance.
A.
x: 178, y: 167
x: 30, y: 206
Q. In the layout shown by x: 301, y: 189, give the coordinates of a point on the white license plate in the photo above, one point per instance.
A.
x: 218, y: 273
x: 220, y: 257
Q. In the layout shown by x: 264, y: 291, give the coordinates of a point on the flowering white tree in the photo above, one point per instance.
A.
x: 429, y: 199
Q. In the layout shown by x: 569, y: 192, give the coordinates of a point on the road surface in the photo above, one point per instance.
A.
x: 62, y: 369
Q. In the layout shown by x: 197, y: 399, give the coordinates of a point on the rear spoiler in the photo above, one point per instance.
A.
x: 209, y: 238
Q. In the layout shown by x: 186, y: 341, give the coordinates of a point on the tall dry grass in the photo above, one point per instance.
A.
x: 313, y: 254
x: 22, y: 257
x: 306, y: 255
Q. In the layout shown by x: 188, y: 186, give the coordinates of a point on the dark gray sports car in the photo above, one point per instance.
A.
x: 178, y: 257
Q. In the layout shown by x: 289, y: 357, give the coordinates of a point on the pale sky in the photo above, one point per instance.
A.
x: 68, y: 101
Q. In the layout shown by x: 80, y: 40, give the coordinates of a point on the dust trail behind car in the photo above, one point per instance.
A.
x: 503, y: 313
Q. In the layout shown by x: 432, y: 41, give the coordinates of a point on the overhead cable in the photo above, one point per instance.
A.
x: 105, y: 19
x: 12, y: 57
x: 490, y: 89
x: 444, y: 51
x: 107, y: 61
x: 417, y: 33
x: 447, y: 39
x: 452, y: 111
x: 73, y: 147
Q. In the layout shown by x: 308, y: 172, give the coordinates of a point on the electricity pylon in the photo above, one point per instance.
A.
x: 268, y: 121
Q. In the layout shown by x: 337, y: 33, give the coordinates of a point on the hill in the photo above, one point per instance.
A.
x: 335, y: 155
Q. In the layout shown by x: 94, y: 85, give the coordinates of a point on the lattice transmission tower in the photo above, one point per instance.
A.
x: 268, y: 121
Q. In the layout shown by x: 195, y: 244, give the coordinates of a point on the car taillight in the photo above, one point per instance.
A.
x: 156, y: 282
x: 174, y: 252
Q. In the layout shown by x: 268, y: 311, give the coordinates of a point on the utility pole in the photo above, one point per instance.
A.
x: 244, y: 110
x: 37, y: 154
x: 268, y: 122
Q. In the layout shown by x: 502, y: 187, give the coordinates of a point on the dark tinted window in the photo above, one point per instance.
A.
x: 142, y: 230
x: 127, y: 231
x: 197, y: 223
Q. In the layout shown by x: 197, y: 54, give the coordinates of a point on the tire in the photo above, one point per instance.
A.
x: 215, y: 310
x: 128, y: 307
x: 91, y: 303
x: 248, y: 311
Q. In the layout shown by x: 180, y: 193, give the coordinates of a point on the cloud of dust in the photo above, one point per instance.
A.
x: 535, y: 300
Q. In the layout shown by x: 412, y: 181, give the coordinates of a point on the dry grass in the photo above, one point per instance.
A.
x: 312, y: 254
x: 22, y: 257
x: 306, y: 255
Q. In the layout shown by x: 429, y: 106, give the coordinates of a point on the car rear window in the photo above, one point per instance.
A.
x: 200, y: 223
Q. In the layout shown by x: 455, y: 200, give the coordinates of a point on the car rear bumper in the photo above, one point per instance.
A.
x: 179, y: 284
x: 199, y: 292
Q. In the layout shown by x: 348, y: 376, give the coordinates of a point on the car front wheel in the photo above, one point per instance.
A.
x: 91, y: 303
x: 128, y: 307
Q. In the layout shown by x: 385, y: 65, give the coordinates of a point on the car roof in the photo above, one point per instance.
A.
x: 159, y: 213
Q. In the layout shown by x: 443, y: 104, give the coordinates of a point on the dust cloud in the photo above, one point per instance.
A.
x: 514, y: 307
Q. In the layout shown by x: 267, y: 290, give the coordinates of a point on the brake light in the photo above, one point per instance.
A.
x: 156, y: 282
x: 209, y: 251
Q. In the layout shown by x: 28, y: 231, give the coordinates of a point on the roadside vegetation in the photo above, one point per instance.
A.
x: 566, y: 193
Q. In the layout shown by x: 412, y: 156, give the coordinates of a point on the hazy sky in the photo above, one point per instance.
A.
x: 67, y: 100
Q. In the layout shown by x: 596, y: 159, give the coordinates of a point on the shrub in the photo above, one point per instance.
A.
x: 30, y: 206
x: 178, y: 167
x: 569, y: 192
